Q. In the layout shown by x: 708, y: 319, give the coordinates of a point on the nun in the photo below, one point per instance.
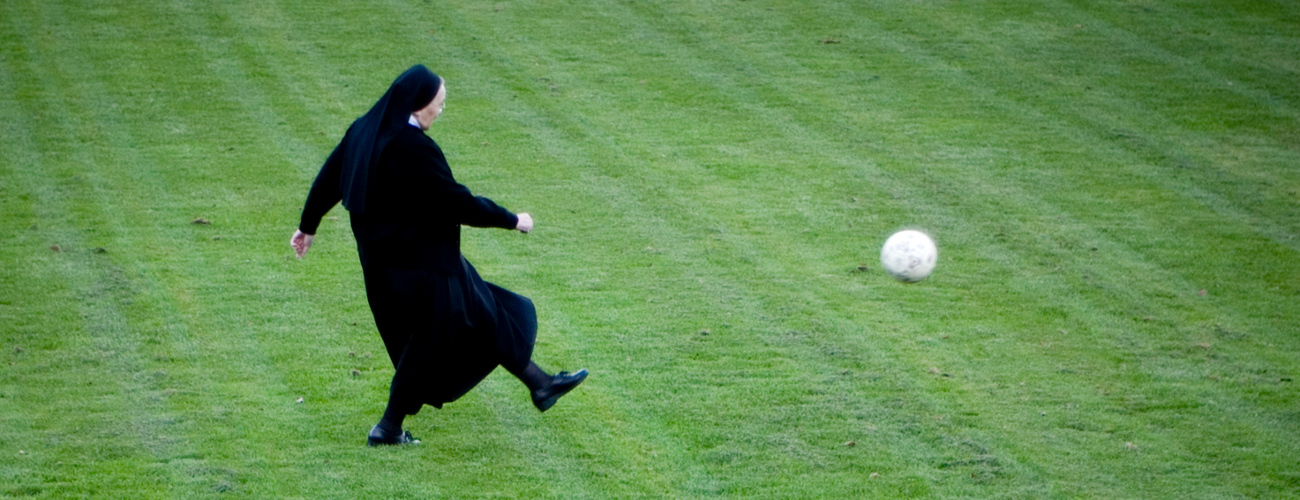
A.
x: 444, y: 327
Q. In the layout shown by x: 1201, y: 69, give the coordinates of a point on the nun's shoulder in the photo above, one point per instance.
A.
x: 414, y: 137
x: 414, y: 145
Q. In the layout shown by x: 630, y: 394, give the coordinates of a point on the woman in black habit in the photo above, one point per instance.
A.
x: 444, y: 327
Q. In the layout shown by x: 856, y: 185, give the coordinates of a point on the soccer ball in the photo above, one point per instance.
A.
x: 909, y: 256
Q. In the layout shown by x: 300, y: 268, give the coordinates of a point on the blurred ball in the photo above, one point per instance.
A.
x: 909, y: 256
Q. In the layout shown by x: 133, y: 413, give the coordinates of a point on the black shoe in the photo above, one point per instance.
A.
x: 560, y: 385
x: 380, y: 437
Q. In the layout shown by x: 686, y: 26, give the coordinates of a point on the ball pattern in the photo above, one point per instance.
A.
x: 909, y: 256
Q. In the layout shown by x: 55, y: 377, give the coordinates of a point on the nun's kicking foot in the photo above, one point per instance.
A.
x: 383, y: 437
x: 560, y: 385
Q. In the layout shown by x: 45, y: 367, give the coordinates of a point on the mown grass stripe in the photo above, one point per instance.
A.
x: 202, y: 339
x: 670, y: 246
x: 735, y: 191
x: 812, y: 306
x: 105, y: 290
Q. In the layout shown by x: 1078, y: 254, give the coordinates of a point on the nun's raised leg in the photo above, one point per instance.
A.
x: 546, y: 389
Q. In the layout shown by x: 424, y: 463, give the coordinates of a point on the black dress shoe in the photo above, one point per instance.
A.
x: 560, y: 385
x: 380, y: 437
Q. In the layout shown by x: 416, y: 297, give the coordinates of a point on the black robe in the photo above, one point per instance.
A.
x: 444, y: 327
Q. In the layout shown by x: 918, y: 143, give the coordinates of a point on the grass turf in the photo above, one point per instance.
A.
x: 1113, y: 187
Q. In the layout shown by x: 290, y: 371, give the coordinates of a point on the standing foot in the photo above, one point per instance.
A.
x: 381, y: 437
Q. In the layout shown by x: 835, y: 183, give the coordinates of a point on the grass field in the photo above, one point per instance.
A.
x: 1114, y: 186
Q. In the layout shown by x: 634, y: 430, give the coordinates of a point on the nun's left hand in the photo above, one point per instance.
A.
x: 525, y: 223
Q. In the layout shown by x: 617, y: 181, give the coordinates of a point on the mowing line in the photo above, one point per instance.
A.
x: 815, y: 113
x: 104, y: 288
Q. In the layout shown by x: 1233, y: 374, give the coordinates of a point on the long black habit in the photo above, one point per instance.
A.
x: 444, y: 327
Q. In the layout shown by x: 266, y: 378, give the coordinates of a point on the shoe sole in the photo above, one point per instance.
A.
x: 547, y: 403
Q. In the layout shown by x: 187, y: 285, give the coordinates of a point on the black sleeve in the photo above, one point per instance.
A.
x: 324, y: 192
x: 452, y: 201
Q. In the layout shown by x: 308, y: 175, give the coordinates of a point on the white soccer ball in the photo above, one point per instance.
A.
x: 909, y: 256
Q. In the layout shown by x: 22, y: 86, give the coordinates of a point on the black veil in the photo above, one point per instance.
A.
x: 368, y: 135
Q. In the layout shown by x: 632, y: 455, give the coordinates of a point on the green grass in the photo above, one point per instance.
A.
x: 1114, y: 186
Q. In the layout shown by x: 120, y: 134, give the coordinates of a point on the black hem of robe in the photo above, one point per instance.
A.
x: 445, y: 332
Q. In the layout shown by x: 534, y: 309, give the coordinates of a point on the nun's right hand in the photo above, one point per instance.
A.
x: 525, y: 223
x: 301, y: 242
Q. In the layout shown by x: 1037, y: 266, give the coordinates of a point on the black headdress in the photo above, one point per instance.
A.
x: 367, y: 136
